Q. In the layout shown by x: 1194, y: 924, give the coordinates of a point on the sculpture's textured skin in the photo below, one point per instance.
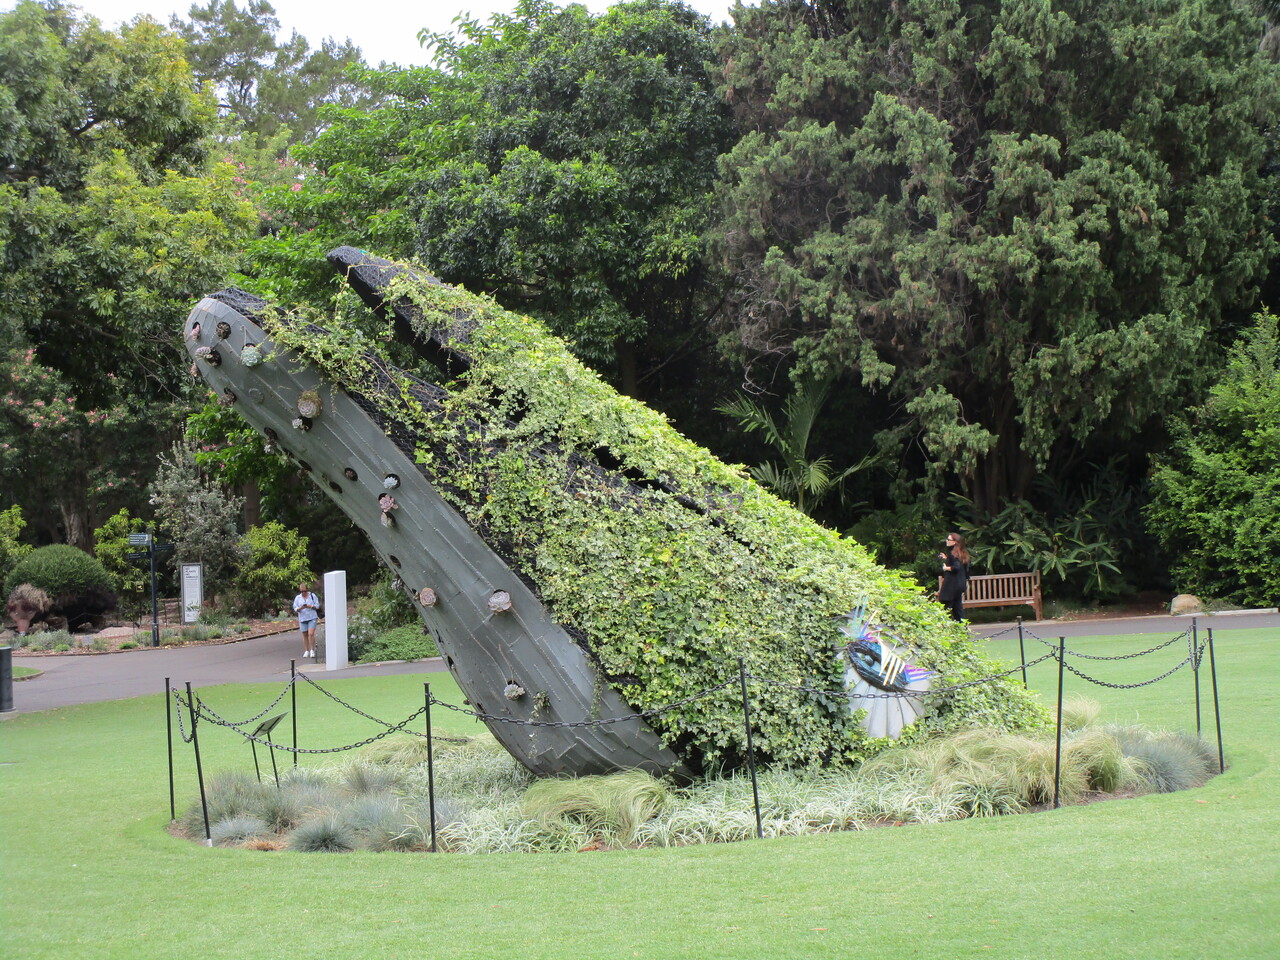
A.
x: 575, y: 558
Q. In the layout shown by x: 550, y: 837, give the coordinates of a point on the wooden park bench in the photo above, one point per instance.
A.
x: 1004, y: 590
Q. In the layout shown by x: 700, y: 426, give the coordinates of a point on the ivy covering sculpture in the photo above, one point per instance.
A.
x: 623, y: 545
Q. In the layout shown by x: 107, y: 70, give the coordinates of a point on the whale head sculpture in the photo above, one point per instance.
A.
x: 592, y: 578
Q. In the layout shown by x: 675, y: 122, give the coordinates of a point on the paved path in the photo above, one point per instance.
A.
x: 87, y: 678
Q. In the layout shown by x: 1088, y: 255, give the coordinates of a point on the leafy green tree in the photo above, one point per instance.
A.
x: 198, y: 517
x: 265, y: 83
x: 275, y: 565
x: 110, y: 226
x: 558, y: 159
x: 1217, y: 493
x: 11, y: 549
x: 1021, y: 222
x: 129, y: 578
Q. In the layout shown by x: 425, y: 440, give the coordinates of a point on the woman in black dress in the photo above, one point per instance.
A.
x: 955, y: 576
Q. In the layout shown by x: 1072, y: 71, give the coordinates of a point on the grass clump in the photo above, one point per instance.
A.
x: 608, y: 809
x: 238, y: 831
x: 327, y: 833
x: 1165, y: 761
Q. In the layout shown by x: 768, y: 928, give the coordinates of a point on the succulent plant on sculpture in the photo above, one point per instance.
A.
x: 561, y: 539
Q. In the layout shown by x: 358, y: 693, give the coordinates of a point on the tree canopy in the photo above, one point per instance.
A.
x: 1020, y: 221
x: 111, y: 222
x: 262, y: 82
x: 558, y: 159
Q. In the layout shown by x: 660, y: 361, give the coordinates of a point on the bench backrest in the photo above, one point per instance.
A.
x: 1003, y: 586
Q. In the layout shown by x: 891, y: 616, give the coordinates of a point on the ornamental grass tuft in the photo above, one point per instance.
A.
x: 238, y: 831
x: 326, y: 833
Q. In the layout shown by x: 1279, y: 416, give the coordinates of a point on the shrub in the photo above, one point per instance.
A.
x: 78, y: 586
x: 11, y: 551
x: 1216, y: 494
x: 1165, y: 762
x: 1079, y: 712
x: 49, y: 640
x: 384, y: 608
x: 276, y: 564
x: 363, y: 778
x: 229, y: 794
x: 198, y: 517
x: 410, y: 642
x: 379, y: 822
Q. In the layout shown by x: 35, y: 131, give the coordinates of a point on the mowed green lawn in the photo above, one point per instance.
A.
x: 89, y: 871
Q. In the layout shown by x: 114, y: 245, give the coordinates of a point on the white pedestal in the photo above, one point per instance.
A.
x: 335, y: 619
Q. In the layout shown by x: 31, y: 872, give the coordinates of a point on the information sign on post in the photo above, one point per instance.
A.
x: 192, y: 591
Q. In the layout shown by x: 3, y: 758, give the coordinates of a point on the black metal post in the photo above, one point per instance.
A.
x: 293, y: 695
x: 168, y: 722
x: 155, y: 608
x: 253, y: 747
x: 431, y: 769
x: 1022, y: 655
x: 751, y: 750
x: 6, y: 679
x: 1217, y: 717
x: 1057, y: 755
x: 195, y: 743
x: 1195, y: 669
x: 274, y: 769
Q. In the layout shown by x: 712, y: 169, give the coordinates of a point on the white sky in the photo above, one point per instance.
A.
x: 382, y: 29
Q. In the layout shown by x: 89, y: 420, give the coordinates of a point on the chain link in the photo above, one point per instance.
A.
x: 1130, y: 686
x: 638, y: 715
x: 179, y: 706
x: 1124, y: 656
x: 993, y: 636
x: 207, y: 713
x: 244, y: 723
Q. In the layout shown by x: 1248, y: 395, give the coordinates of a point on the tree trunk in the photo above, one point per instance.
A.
x: 628, y: 380
x: 252, y: 503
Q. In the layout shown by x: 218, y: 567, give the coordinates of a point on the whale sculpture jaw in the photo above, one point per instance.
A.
x: 511, y: 659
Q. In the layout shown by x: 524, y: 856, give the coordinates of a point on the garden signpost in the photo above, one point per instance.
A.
x: 152, y: 551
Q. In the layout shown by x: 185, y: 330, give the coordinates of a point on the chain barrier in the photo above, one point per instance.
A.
x: 207, y: 713
x: 891, y: 695
x: 179, y: 706
x: 244, y: 723
x: 1124, y: 656
x: 1131, y: 686
x: 356, y: 710
x: 992, y: 636
x: 638, y: 715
